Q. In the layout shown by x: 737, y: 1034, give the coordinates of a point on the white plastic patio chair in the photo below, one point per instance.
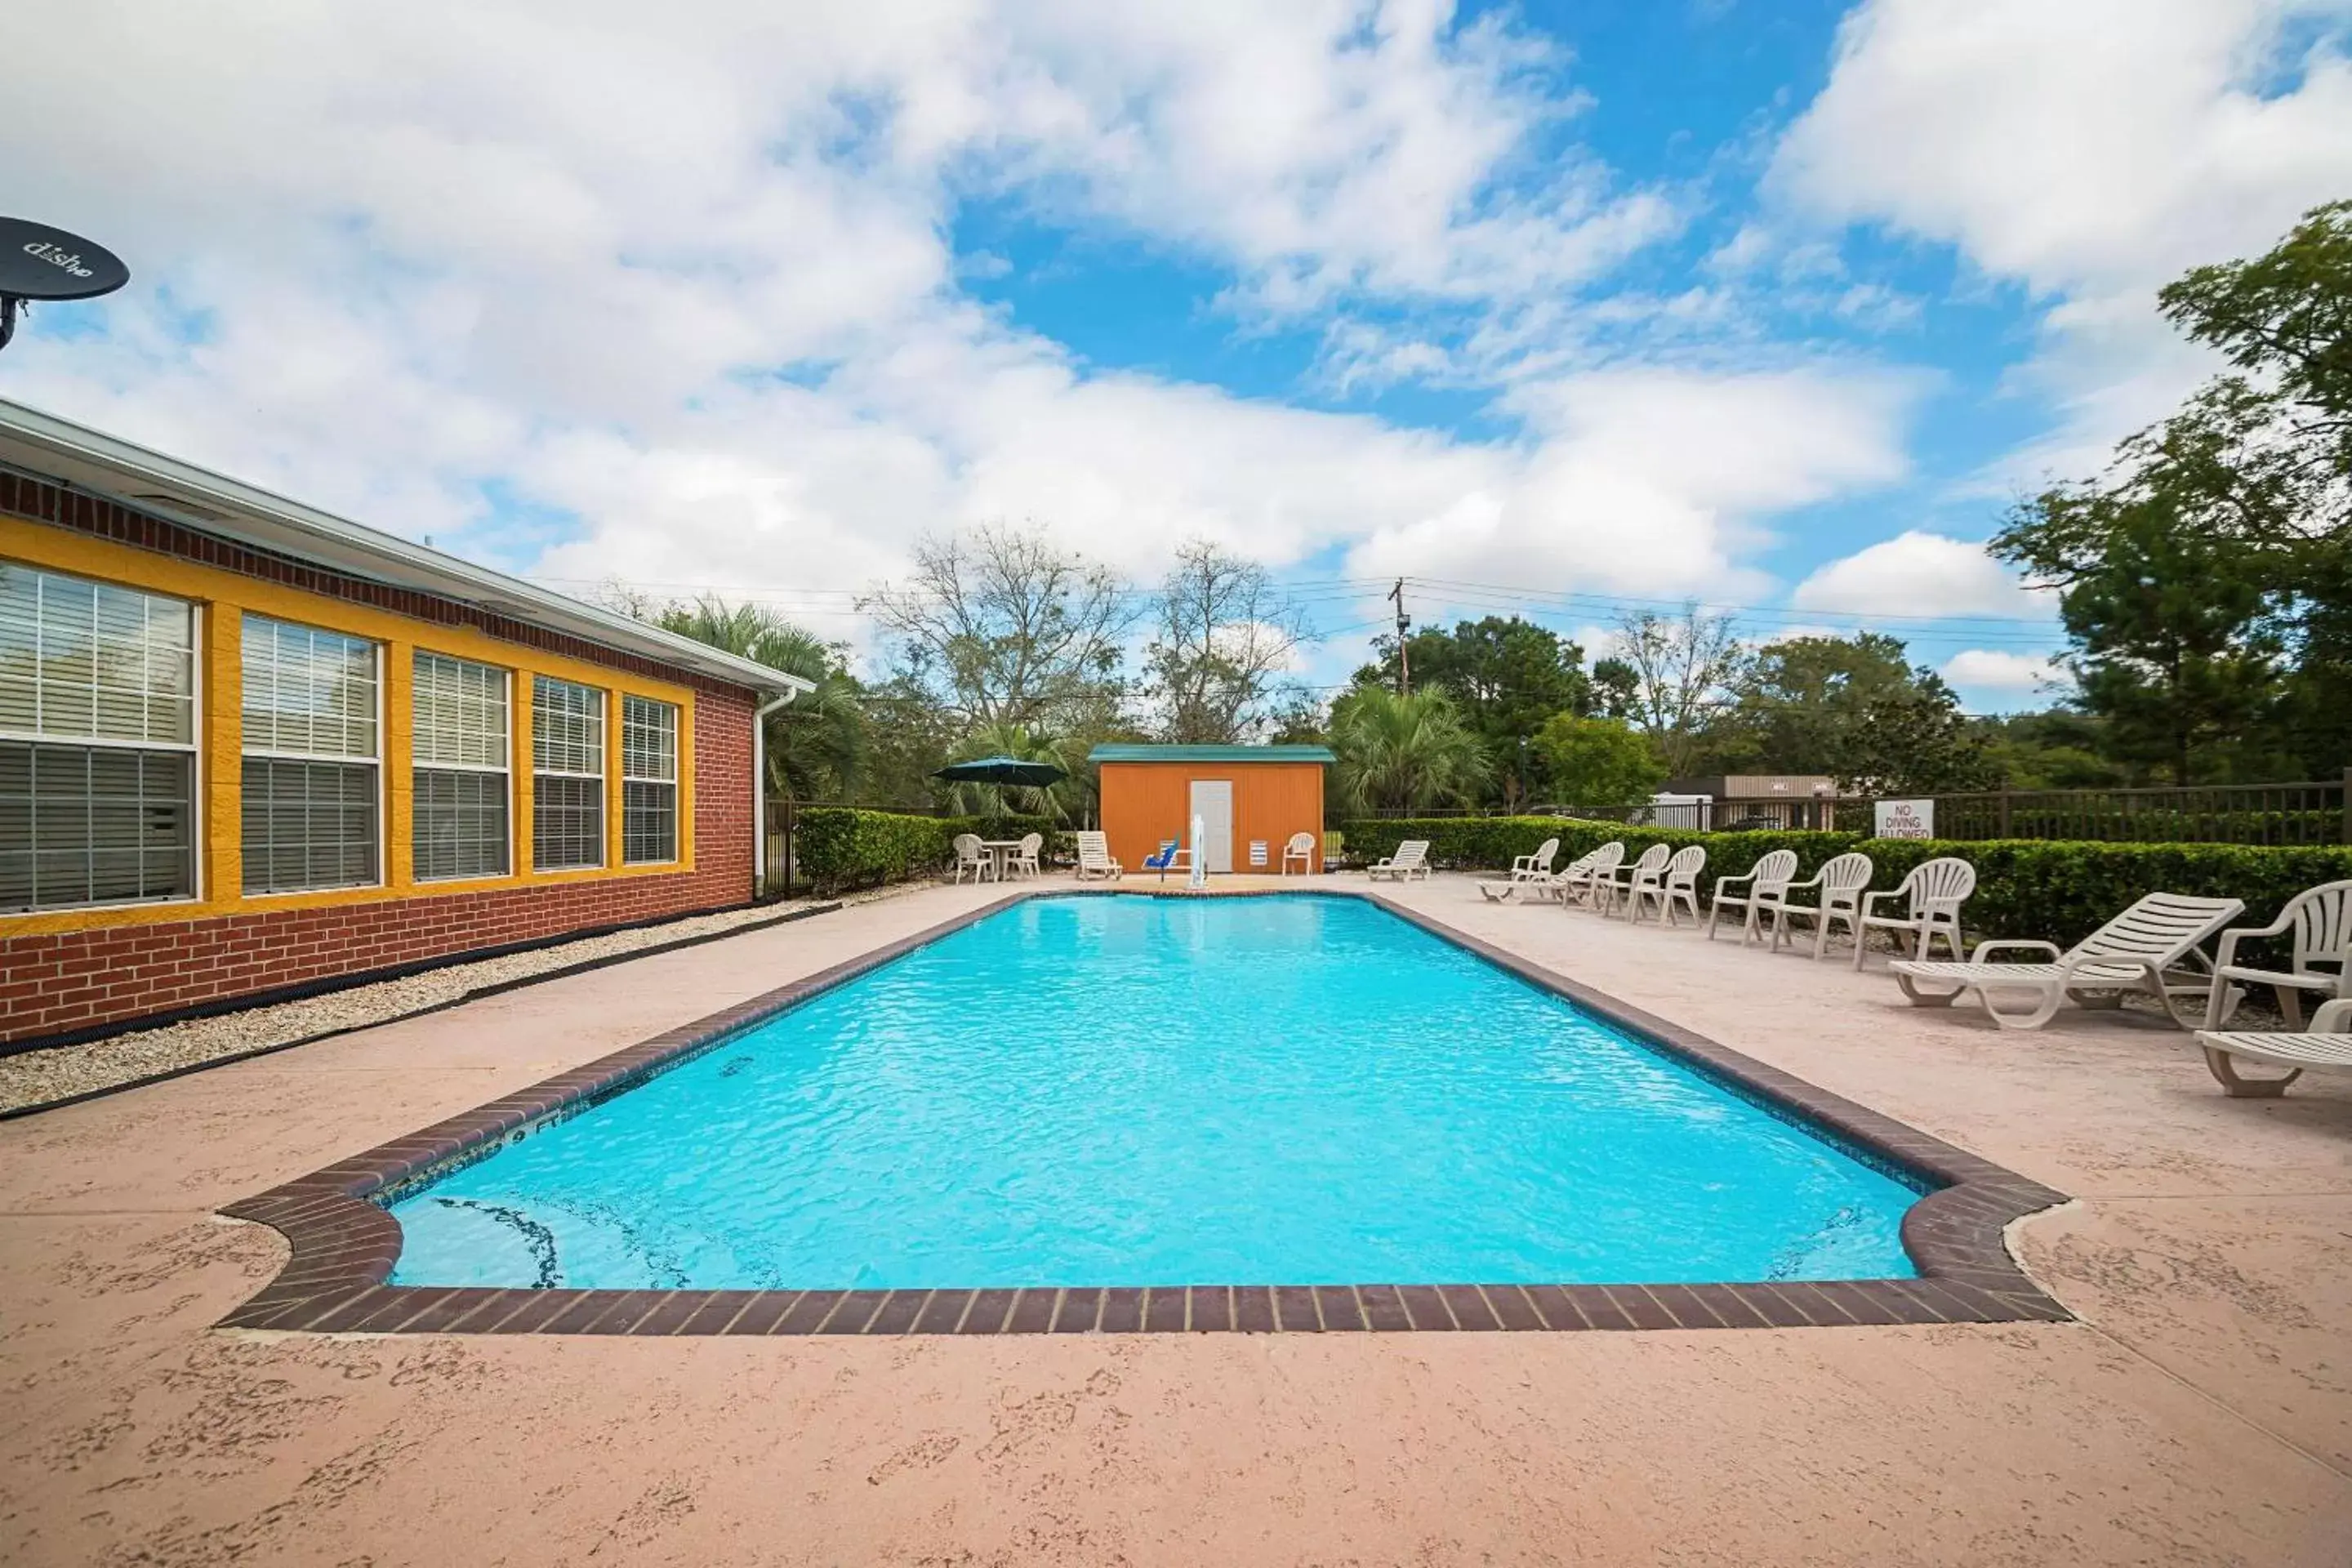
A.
x: 1025, y: 858
x: 1411, y: 860
x: 1932, y: 896
x: 2142, y: 949
x: 1676, y: 884
x: 2321, y: 919
x: 1838, y: 891
x: 1763, y: 887
x: 2327, y: 1043
x: 1608, y: 891
x: 1300, y: 848
x: 1583, y: 879
x: 1527, y: 871
x: 970, y: 857
x: 1094, y: 858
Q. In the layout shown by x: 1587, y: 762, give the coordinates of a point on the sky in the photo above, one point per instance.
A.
x: 1549, y: 309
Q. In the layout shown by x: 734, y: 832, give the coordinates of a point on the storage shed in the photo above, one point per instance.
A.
x: 1243, y: 796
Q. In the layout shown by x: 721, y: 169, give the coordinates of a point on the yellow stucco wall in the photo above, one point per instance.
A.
x: 222, y: 599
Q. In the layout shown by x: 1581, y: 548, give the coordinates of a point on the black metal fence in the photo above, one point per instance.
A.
x: 2314, y: 811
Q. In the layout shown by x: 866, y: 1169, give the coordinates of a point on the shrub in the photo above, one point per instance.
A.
x: 2057, y: 890
x: 837, y: 848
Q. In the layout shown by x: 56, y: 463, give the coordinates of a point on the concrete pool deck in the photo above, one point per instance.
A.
x: 2199, y: 1411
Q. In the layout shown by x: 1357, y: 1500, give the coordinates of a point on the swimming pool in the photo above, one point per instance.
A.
x: 1128, y: 1090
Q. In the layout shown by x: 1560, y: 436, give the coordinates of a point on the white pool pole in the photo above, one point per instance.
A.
x: 1199, y: 877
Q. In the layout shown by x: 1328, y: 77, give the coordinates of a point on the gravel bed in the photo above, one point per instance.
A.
x: 38, y: 1077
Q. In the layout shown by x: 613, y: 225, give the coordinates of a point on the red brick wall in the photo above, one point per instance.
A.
x: 52, y: 984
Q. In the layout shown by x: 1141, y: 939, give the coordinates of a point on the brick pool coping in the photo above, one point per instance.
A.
x: 344, y: 1243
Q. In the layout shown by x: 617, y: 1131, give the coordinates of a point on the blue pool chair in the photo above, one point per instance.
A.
x: 1167, y: 857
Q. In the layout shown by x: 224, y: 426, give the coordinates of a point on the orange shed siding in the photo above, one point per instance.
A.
x: 1143, y: 803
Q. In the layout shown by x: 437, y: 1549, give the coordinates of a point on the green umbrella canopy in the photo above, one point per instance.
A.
x: 1002, y: 771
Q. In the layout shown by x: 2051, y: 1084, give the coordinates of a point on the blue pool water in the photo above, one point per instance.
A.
x: 1131, y: 1090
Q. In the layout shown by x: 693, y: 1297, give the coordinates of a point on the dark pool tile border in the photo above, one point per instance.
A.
x: 344, y: 1243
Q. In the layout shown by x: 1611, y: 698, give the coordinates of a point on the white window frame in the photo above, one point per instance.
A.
x: 505, y: 769
x: 677, y: 817
x: 604, y: 777
x: 383, y: 813
x: 198, y: 837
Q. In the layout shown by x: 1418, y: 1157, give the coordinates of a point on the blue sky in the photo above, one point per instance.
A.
x: 1558, y: 308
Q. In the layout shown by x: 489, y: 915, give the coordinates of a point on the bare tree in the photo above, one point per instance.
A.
x: 1002, y: 627
x: 1226, y: 634
x: 1685, y: 668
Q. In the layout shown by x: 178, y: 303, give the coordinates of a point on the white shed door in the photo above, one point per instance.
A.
x: 1213, y: 803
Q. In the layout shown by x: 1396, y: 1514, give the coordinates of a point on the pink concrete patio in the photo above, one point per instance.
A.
x: 2199, y: 1411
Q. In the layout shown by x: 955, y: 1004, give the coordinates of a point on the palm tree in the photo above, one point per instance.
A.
x: 1402, y: 753
x: 1060, y: 801
x: 816, y: 744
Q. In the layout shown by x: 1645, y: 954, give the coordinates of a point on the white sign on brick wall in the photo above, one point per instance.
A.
x: 1904, y: 818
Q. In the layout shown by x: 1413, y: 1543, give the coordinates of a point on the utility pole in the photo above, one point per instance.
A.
x: 1404, y: 625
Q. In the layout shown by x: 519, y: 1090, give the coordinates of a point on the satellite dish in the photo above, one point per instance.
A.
x: 37, y: 262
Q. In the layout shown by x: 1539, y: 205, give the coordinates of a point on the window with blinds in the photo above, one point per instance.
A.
x: 97, y: 744
x: 567, y: 781
x: 458, y: 813
x: 648, y: 781
x: 311, y: 790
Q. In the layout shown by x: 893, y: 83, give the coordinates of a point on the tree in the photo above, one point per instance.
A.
x: 1402, y: 753
x: 1598, y: 761
x: 2206, y: 578
x: 1000, y: 627
x: 1683, y: 669
x: 1856, y: 708
x: 1616, y: 688
x: 1506, y: 675
x: 1226, y: 636
x: 816, y: 744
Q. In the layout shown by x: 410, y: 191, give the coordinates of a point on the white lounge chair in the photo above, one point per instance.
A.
x: 1094, y: 858
x: 1839, y: 884
x: 1025, y: 858
x: 1525, y: 870
x: 2142, y: 949
x: 1300, y: 848
x: 1763, y: 887
x: 1677, y: 884
x: 2320, y: 957
x: 1610, y: 890
x: 970, y: 857
x: 1931, y: 897
x: 2328, y: 1044
x: 1411, y: 860
x: 1583, y: 879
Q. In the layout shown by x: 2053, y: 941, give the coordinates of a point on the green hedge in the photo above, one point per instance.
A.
x: 2058, y: 890
x: 838, y: 847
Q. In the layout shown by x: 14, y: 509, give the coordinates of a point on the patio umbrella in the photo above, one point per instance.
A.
x: 1002, y: 771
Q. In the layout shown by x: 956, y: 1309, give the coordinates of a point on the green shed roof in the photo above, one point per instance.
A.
x: 1128, y: 753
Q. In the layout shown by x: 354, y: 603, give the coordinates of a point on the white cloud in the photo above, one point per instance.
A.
x: 1994, y: 678
x: 2089, y: 150
x: 667, y: 295
x: 1918, y: 573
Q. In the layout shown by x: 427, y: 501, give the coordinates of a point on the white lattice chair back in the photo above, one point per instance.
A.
x: 1031, y: 843
x: 1845, y: 878
x: 1608, y: 857
x: 2323, y: 924
x: 1653, y: 860
x: 1683, y: 870
x: 1546, y: 853
x: 967, y: 846
x: 1945, y: 882
x: 2155, y: 926
x: 1776, y: 871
